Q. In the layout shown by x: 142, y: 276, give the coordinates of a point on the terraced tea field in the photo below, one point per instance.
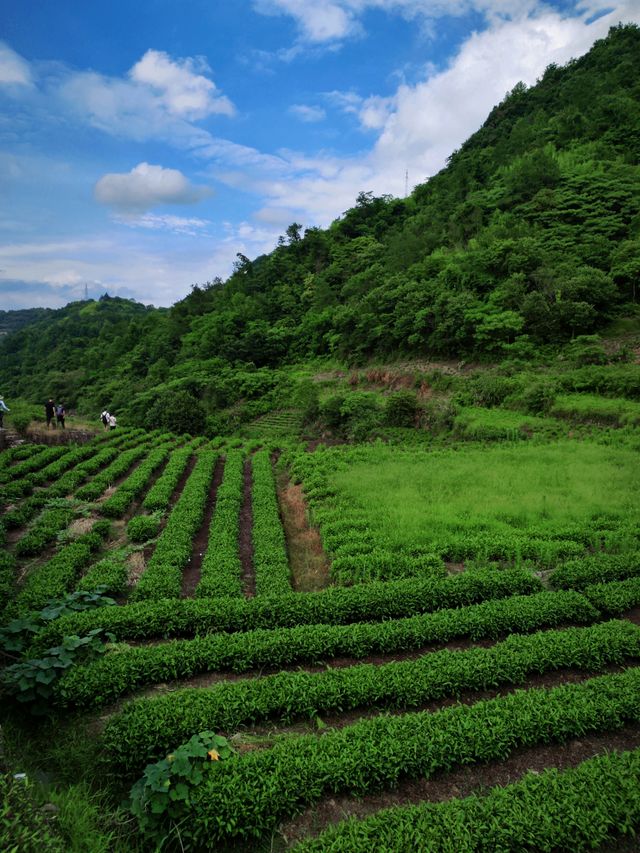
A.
x: 480, y: 619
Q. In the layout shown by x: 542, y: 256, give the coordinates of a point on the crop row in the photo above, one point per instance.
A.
x: 250, y: 795
x: 120, y: 465
x: 44, y: 531
x: 119, y: 502
x: 220, y: 570
x: 334, y: 606
x: 55, y: 577
x: 615, y: 597
x: 33, y: 463
x: 160, y: 493
x: 597, y: 568
x: 270, y: 559
x: 114, y: 674
x: 579, y: 809
x: 146, y: 729
x: 70, y: 480
x: 62, y: 460
x: 11, y: 455
x: 163, y: 575
x: 111, y: 573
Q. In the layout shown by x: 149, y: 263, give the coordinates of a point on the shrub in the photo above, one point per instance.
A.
x: 143, y: 527
x: 401, y: 409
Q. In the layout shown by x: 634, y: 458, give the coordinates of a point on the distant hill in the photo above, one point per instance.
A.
x: 12, y: 321
x: 529, y: 237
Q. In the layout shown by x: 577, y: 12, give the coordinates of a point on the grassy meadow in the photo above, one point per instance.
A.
x: 416, y: 499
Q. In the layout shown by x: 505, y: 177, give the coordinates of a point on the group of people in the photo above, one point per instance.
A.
x: 108, y: 421
x: 55, y: 413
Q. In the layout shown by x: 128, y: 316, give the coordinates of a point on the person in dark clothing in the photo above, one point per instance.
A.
x: 50, y: 411
x: 60, y: 413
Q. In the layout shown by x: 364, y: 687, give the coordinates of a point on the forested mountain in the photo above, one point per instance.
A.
x: 528, y: 237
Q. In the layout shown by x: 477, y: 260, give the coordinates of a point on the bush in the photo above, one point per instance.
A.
x: 401, y: 409
x: 177, y: 411
x: 142, y: 528
x: 586, y: 349
x: 538, y: 398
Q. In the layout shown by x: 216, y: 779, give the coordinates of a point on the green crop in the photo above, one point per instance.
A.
x: 147, y: 728
x: 122, y: 672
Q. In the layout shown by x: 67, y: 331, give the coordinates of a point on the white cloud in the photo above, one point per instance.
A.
x: 160, y: 98
x: 308, y: 113
x: 419, y: 126
x: 147, y: 186
x: 183, y: 91
x: 321, y: 21
x: 14, y: 70
x: 192, y: 226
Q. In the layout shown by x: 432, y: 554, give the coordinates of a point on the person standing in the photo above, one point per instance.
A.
x: 112, y: 421
x: 60, y: 414
x: 104, y: 417
x: 3, y: 409
x: 50, y: 411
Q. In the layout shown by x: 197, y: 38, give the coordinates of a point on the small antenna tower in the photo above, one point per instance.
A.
x: 86, y: 292
x: 406, y: 183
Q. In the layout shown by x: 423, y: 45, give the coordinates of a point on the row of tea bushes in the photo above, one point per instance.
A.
x: 221, y: 569
x: 148, y: 728
x: 163, y: 575
x: 105, y: 680
x: 247, y: 797
x: 372, y: 602
x: 580, y: 809
x: 270, y: 559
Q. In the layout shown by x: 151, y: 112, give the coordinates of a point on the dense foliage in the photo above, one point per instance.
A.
x: 528, y: 237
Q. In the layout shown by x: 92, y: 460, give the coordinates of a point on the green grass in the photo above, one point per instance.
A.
x: 477, y: 423
x: 417, y: 498
x: 589, y: 407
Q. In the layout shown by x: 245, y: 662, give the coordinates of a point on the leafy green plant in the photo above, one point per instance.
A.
x: 30, y: 682
x: 141, y: 528
x: 103, y: 681
x: 163, y: 794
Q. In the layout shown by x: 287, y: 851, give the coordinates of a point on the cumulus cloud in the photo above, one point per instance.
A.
x: 181, y: 89
x: 146, y: 186
x: 159, y: 98
x: 308, y: 113
x: 14, y: 70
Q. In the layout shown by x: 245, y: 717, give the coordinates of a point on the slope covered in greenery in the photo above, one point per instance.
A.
x: 529, y: 237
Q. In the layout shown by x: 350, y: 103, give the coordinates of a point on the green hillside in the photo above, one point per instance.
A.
x: 528, y: 238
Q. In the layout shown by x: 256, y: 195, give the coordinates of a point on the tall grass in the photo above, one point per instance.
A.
x: 417, y: 498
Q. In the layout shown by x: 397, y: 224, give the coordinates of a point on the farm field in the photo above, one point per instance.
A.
x: 476, y: 616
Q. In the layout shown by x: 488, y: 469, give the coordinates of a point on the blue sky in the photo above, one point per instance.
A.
x: 144, y: 144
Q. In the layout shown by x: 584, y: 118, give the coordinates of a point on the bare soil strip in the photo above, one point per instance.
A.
x: 191, y: 574
x: 308, y: 562
x: 245, y: 536
x: 474, y: 779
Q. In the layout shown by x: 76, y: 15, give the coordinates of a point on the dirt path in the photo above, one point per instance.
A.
x: 309, y: 563
x: 191, y: 574
x: 245, y: 535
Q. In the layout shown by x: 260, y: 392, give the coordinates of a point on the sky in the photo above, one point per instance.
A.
x: 144, y: 144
